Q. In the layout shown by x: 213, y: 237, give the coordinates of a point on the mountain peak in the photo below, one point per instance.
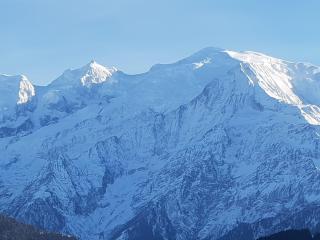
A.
x: 206, y: 52
x: 94, y: 65
x: 94, y: 73
x: 210, y: 50
x: 86, y: 76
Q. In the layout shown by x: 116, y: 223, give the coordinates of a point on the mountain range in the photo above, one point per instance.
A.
x: 219, y: 145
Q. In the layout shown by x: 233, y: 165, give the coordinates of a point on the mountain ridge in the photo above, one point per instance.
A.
x: 189, y: 150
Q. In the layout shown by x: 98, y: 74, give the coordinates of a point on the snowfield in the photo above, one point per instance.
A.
x: 219, y: 145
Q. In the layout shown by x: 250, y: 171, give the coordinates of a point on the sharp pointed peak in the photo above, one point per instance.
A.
x: 93, y: 64
x: 88, y: 74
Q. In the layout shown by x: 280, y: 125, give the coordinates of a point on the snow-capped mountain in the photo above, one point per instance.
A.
x: 220, y: 145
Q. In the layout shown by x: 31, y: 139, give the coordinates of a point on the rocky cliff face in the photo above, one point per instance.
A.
x: 217, y: 144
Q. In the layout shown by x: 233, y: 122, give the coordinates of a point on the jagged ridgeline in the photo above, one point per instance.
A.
x: 216, y: 145
x: 13, y: 230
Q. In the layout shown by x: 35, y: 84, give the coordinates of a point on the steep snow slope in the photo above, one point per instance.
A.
x: 292, y: 83
x: 217, y: 144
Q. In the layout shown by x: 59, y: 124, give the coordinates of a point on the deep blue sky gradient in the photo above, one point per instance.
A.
x: 41, y: 38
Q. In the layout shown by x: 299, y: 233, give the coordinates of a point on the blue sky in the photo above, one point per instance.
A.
x: 41, y: 38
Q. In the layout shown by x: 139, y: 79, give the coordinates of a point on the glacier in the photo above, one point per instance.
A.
x: 219, y: 145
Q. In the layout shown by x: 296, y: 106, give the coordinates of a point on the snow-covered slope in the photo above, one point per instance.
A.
x: 217, y: 145
x: 293, y: 83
